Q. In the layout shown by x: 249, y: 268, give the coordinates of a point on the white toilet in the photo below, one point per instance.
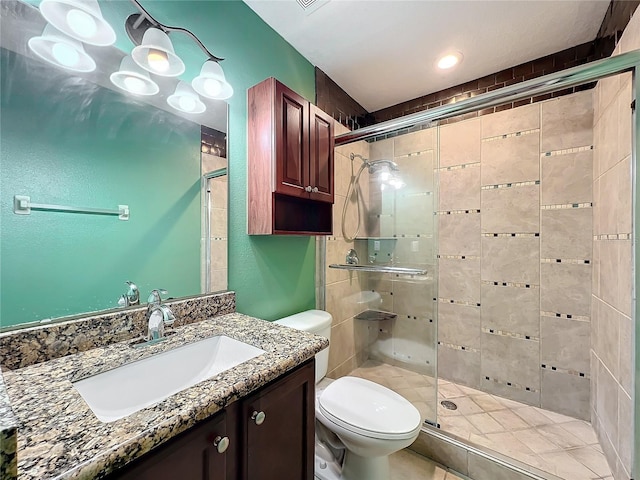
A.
x: 367, y: 421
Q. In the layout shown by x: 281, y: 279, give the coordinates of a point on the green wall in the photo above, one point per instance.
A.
x: 65, y: 141
x: 272, y: 276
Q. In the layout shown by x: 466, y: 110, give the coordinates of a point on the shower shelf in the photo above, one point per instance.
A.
x: 380, y: 269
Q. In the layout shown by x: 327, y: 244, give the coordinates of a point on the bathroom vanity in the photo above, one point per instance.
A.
x: 246, y: 422
x: 266, y: 435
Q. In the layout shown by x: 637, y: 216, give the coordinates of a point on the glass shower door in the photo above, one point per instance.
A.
x: 401, y: 232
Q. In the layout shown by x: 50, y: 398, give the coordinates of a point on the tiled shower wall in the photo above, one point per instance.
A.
x: 343, y: 292
x: 218, y: 218
x: 612, y: 326
x: 515, y: 253
x: 404, y: 221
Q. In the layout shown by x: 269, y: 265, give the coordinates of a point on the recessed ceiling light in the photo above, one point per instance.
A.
x: 449, y: 60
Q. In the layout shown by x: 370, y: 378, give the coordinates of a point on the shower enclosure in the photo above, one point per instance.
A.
x: 499, y: 332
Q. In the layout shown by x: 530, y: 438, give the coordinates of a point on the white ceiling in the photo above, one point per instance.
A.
x: 383, y: 52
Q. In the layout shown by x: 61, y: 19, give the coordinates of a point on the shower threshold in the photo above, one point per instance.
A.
x: 372, y: 315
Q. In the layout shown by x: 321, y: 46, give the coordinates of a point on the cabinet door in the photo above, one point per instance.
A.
x: 292, y: 142
x: 190, y: 456
x: 321, y: 143
x: 280, y: 446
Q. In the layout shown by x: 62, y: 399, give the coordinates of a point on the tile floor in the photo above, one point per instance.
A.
x: 408, y: 465
x: 555, y: 443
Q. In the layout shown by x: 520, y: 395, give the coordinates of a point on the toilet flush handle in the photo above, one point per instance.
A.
x: 258, y: 417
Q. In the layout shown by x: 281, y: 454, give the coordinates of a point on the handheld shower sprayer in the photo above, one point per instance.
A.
x: 387, y: 174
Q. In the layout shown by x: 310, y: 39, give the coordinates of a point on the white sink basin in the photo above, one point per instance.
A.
x: 124, y: 390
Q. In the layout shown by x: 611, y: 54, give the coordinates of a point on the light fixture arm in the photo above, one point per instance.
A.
x: 144, y: 19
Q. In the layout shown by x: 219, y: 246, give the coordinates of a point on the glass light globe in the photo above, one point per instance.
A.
x: 81, y: 23
x: 65, y: 54
x: 212, y: 86
x: 134, y: 84
x: 188, y: 104
x: 158, y: 60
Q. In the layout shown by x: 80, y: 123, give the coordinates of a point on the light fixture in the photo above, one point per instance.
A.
x: 211, y: 82
x: 133, y: 79
x: 156, y: 55
x: 154, y: 52
x: 449, y: 60
x: 79, y: 19
x: 61, y: 50
x: 186, y: 100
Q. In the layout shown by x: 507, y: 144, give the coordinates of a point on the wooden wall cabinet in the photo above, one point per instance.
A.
x: 268, y: 435
x: 290, y: 151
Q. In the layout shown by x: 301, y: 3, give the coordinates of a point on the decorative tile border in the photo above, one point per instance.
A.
x: 418, y: 317
x: 555, y: 153
x: 415, y: 154
x: 566, y: 205
x: 510, y: 185
x: 510, y: 135
x: 458, y: 167
x: 564, y: 370
x: 510, y: 284
x: 459, y: 347
x: 568, y: 316
x: 613, y: 236
x: 408, y: 235
x: 460, y: 257
x: 570, y: 261
x: 502, y: 235
x: 504, y: 333
x: 457, y: 212
x: 458, y: 302
x: 510, y: 384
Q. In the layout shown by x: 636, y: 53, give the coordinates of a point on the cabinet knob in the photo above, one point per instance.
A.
x: 258, y: 417
x: 315, y: 190
x: 221, y: 443
x: 307, y: 189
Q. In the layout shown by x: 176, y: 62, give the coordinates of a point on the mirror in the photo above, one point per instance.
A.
x: 76, y: 140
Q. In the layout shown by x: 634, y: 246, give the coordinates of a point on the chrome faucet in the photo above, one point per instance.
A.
x: 352, y: 257
x: 158, y: 315
x: 132, y: 297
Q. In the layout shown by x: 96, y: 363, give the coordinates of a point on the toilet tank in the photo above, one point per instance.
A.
x: 317, y: 322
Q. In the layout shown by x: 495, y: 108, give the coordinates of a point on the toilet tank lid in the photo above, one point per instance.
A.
x: 311, y: 321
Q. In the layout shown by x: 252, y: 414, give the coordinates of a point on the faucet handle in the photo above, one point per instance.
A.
x: 133, y: 294
x: 154, y: 296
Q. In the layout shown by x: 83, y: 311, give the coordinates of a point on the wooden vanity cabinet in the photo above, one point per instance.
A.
x: 270, y: 437
x: 192, y: 455
x: 290, y: 158
x: 281, y: 445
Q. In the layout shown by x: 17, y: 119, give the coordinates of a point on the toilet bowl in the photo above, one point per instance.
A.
x: 365, y: 420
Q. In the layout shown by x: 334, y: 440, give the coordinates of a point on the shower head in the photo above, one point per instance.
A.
x: 385, y: 170
x: 378, y: 165
x: 372, y: 165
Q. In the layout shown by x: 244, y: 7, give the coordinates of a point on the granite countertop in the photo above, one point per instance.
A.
x: 60, y: 437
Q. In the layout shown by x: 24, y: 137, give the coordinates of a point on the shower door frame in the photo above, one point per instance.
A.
x: 572, y: 77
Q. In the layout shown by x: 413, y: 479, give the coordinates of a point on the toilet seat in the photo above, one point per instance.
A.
x: 368, y: 409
